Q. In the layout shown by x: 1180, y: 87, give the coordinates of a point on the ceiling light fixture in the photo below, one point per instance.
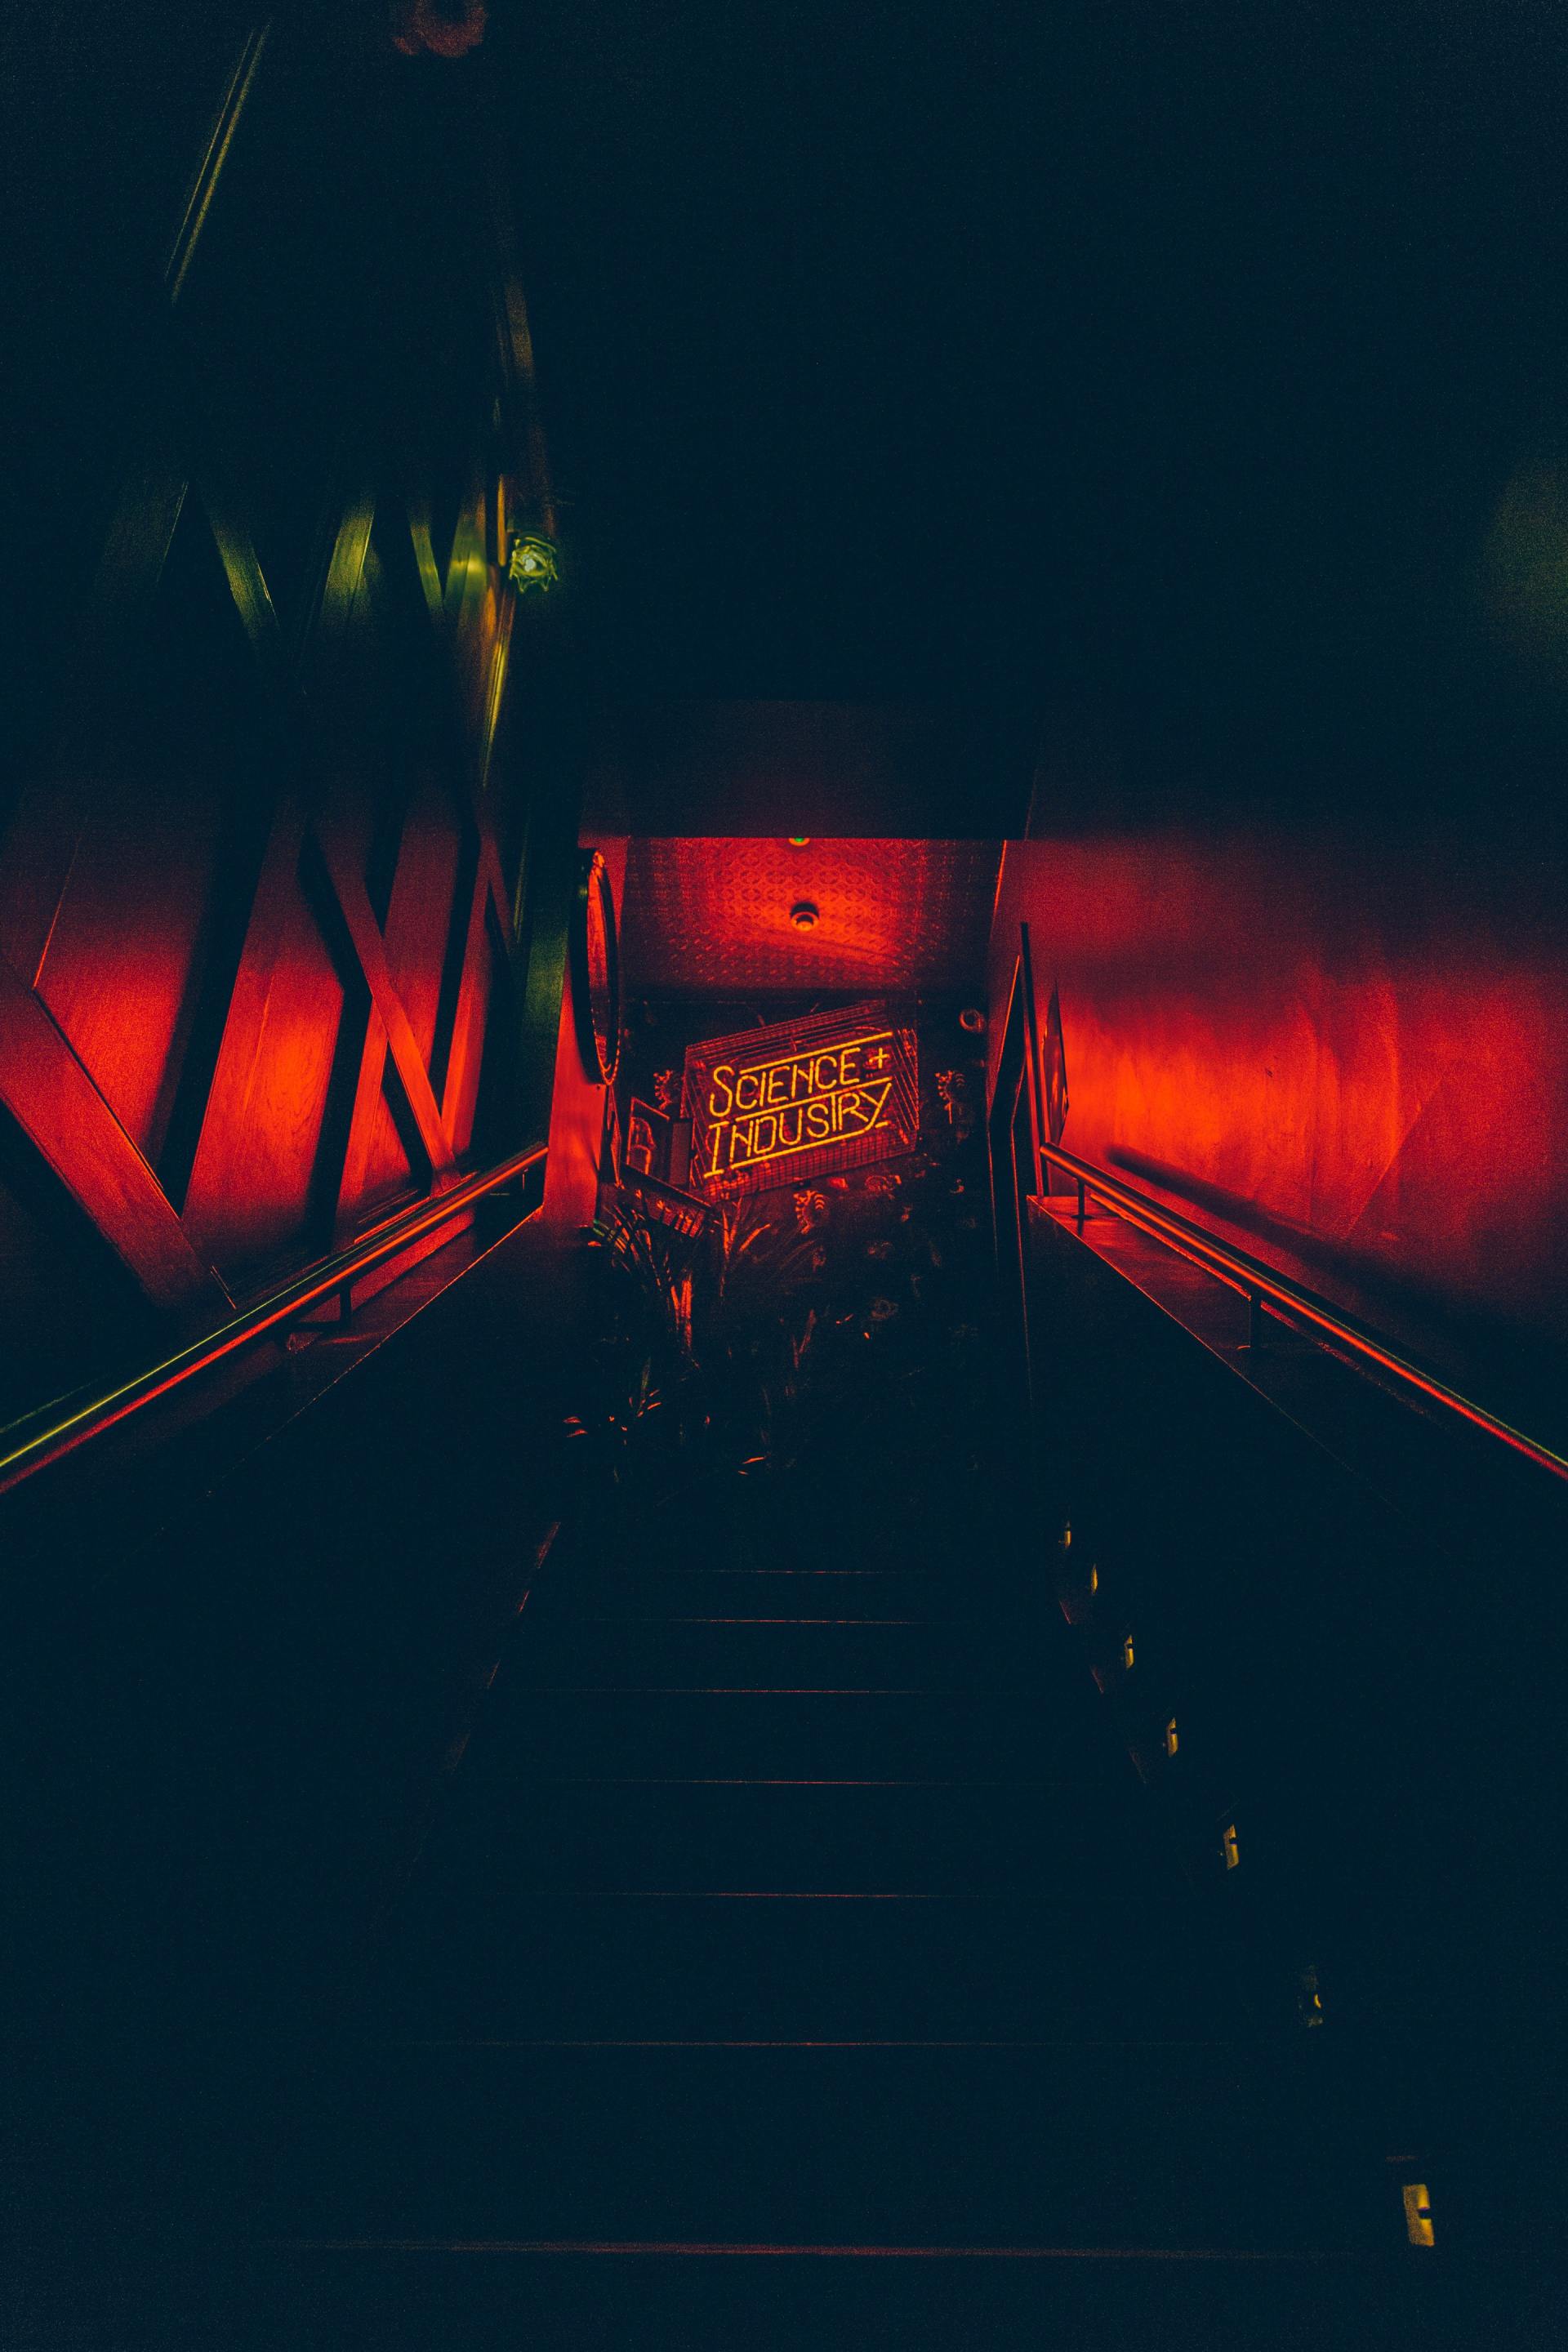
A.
x: 803, y: 915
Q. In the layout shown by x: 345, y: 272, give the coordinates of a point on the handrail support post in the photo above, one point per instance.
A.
x: 1255, y: 1334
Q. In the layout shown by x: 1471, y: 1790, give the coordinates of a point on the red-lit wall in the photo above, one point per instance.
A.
x: 1349, y: 1057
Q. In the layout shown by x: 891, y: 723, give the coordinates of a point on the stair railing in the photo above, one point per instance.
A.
x: 1266, y: 1289
x: 55, y: 1428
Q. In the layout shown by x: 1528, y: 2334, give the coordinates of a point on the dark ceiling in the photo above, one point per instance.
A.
x: 1181, y: 382
x: 1160, y: 365
x: 910, y: 770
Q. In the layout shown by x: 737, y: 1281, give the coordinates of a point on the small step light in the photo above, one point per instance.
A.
x: 1418, y: 2214
x: 1231, y: 1847
x: 1309, y: 1997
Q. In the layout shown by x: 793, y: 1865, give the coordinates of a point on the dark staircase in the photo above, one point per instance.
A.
x: 791, y: 1960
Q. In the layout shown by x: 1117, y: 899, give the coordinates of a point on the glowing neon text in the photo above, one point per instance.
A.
x: 800, y: 1102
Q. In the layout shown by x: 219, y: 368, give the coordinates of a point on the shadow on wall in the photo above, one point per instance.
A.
x: 1351, y: 1055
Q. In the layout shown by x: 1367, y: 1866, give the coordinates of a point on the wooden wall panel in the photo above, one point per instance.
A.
x: 159, y: 793
x: 122, y: 968
x: 54, y: 1105
x: 255, y: 930
x: 419, y: 919
x: 252, y: 1195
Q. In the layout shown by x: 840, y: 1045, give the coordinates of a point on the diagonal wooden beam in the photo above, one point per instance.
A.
x: 361, y: 1126
x: 370, y: 954
x: 475, y: 790
x: 461, y: 1089
x: 491, y: 879
x: 72, y: 1128
x: 386, y: 1023
x: 447, y: 618
x: 246, y: 583
x: 209, y: 171
x: 404, y: 935
x: 226, y: 1116
x: 328, y: 620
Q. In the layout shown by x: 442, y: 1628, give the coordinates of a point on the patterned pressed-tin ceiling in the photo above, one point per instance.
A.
x: 711, y: 916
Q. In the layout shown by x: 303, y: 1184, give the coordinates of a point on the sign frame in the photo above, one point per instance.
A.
x: 802, y: 1099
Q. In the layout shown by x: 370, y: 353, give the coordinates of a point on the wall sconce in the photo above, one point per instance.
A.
x: 533, y: 563
x: 803, y: 916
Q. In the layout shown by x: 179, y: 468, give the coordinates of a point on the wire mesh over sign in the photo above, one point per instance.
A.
x: 802, y: 1099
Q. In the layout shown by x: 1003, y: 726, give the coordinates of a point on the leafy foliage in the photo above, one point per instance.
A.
x: 699, y: 1351
x: 747, y: 1349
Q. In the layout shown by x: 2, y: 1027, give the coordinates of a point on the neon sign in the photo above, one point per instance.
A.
x: 803, y: 1099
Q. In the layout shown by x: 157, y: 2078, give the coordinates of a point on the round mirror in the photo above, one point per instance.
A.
x: 596, y: 971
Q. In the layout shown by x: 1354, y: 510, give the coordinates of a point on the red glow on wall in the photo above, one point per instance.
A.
x: 1352, y: 1065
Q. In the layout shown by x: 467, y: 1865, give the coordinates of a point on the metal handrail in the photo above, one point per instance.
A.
x: 1260, y: 1285
x: 55, y: 1428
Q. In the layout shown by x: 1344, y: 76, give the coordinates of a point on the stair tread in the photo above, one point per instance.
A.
x: 879, y: 2299
x: 922, y: 1595
x: 757, y: 1732
x: 580, y: 1652
x: 510, y: 1962
x: 1096, y: 2147
x: 767, y: 1836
